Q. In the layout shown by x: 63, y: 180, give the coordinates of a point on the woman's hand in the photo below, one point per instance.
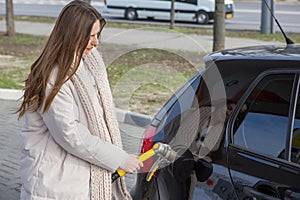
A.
x: 133, y: 164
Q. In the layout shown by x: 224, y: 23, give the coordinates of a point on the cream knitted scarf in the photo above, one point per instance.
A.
x: 104, y: 124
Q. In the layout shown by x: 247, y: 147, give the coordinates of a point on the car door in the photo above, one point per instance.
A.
x: 264, y: 141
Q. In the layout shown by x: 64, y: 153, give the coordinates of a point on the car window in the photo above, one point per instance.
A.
x: 263, y: 127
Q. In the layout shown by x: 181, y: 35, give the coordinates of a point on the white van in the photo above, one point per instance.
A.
x: 200, y: 11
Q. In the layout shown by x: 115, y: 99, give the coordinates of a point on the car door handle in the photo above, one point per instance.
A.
x: 258, y: 195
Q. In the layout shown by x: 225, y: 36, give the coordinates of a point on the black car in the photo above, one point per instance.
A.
x: 256, y: 153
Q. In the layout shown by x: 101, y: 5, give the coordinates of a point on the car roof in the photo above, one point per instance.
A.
x: 239, y: 67
x: 263, y: 52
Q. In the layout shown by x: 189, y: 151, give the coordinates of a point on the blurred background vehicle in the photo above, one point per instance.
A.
x: 200, y: 11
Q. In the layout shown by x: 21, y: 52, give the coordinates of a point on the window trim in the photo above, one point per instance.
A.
x: 291, y: 121
x: 229, y: 138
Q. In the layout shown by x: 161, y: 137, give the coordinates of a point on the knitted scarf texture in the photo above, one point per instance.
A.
x: 103, y: 125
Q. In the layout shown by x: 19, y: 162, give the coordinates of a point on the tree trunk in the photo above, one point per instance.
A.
x: 219, y: 25
x: 10, y: 26
x: 88, y: 1
x: 172, y: 14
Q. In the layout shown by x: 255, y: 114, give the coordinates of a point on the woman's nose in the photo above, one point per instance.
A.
x: 95, y: 41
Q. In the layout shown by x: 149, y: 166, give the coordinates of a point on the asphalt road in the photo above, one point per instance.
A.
x: 247, y: 15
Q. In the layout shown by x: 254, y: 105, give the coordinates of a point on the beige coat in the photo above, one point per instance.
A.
x: 57, y: 149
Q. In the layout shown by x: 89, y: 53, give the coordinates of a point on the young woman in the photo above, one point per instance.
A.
x: 70, y: 140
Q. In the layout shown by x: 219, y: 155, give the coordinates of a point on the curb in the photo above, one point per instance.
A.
x: 127, y: 117
x: 132, y: 118
x: 10, y: 94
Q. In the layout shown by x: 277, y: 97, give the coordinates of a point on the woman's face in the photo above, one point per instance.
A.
x: 94, y: 41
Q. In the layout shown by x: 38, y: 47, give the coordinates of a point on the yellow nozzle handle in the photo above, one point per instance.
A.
x: 154, y: 168
x: 149, y: 177
x: 148, y: 154
x: 121, y: 172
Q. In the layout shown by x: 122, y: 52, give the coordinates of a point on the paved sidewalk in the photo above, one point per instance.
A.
x: 145, y: 37
x: 9, y: 152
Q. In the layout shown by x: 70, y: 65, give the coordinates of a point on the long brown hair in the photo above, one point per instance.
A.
x: 64, y: 48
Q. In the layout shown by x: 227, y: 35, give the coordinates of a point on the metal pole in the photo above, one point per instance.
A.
x: 267, y: 9
x: 273, y: 13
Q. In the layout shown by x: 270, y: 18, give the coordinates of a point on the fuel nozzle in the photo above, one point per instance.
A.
x: 164, y: 151
x: 165, y: 156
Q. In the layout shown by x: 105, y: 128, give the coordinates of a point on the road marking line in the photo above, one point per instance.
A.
x: 259, y: 11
